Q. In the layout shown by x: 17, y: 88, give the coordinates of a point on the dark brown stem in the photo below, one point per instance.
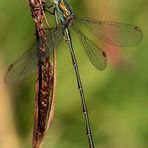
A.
x: 45, y: 83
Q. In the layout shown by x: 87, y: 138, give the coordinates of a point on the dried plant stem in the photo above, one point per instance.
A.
x: 45, y: 83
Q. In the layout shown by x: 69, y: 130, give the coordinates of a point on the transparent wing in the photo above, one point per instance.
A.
x: 96, y: 55
x: 20, y: 68
x: 118, y: 34
x: 26, y: 64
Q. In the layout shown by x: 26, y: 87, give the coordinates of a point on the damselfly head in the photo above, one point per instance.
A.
x: 57, y: 1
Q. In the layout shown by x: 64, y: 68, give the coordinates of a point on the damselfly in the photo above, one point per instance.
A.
x: 118, y: 34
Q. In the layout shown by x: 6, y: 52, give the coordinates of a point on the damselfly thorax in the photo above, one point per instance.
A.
x: 64, y: 12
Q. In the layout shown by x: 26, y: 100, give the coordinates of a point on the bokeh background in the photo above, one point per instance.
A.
x: 117, y: 98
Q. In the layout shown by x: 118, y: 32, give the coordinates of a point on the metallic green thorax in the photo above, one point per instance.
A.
x: 64, y: 12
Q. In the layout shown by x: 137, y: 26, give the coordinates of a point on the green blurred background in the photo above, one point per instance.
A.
x: 117, y: 98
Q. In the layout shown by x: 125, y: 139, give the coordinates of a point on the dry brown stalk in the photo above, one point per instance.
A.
x: 46, y: 78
